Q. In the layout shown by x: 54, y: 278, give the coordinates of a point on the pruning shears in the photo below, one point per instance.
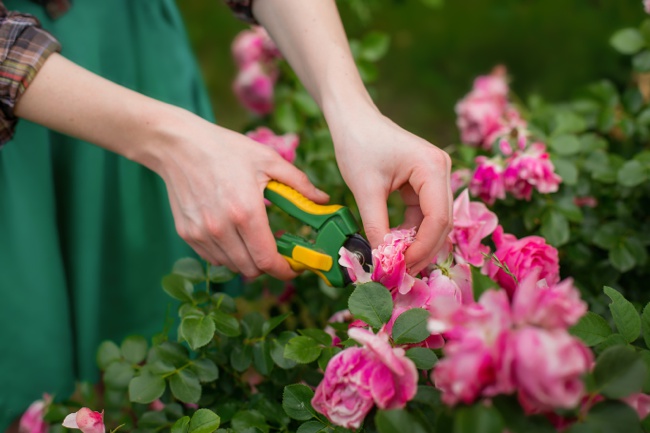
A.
x: 335, y: 227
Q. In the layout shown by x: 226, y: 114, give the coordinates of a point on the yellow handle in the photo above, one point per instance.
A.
x: 300, y: 201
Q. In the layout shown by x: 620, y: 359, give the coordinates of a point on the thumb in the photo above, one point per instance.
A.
x: 288, y: 174
x: 374, y: 214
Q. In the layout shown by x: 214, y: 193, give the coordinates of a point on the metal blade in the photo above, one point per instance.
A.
x: 360, y: 247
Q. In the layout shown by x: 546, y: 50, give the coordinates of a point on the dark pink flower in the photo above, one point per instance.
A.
x: 531, y: 169
x: 522, y: 256
x: 487, y: 181
x: 388, y: 261
x: 32, y: 420
x: 254, y: 87
x: 86, y: 420
x: 358, y: 378
x: 285, y: 145
x: 472, y: 222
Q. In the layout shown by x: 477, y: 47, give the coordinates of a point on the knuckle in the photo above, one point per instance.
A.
x: 240, y: 214
x: 214, y: 228
x: 265, y: 263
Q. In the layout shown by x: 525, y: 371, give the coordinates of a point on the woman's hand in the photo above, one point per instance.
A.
x: 377, y: 157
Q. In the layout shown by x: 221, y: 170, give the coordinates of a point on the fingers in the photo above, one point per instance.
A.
x: 286, y: 173
x: 374, y: 214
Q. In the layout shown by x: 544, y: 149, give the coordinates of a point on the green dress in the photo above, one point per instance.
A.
x: 86, y: 235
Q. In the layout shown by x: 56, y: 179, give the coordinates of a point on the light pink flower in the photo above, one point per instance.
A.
x: 531, y: 169
x: 388, y: 261
x: 32, y: 420
x: 156, y: 405
x: 522, y: 256
x: 548, y: 367
x: 86, y: 420
x: 342, y: 316
x: 254, y: 87
x: 555, y: 307
x: 472, y: 222
x: 646, y: 6
x: 285, y: 145
x: 460, y: 179
x: 350, y: 261
x: 254, y: 45
x: 358, y: 378
x: 640, y: 403
x: 487, y: 181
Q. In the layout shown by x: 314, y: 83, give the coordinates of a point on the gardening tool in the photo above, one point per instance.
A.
x: 335, y: 227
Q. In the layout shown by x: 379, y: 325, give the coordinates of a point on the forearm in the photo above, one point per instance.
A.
x: 311, y: 36
x: 71, y: 100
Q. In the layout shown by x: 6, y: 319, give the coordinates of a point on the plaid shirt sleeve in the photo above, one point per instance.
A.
x: 243, y: 9
x: 24, y: 46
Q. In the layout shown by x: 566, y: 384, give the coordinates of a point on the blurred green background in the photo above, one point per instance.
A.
x: 550, y: 47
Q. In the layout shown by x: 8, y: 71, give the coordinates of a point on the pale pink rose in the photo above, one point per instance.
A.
x: 388, y: 261
x: 472, y: 222
x: 548, y: 367
x: 285, y: 145
x: 646, y: 6
x: 640, y: 403
x: 254, y: 87
x: 522, y: 256
x: 32, y: 420
x: 531, y: 169
x: 487, y: 181
x: 556, y: 307
x: 342, y: 316
x: 350, y: 261
x: 358, y: 378
x: 86, y: 420
x: 494, y: 85
x: 460, y: 179
x: 254, y: 45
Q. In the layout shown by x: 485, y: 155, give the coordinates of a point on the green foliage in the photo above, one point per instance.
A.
x: 372, y: 303
x: 411, y: 326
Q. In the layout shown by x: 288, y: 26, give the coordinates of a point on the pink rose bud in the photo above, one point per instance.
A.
x: 487, y: 181
x: 472, y: 222
x: 254, y: 87
x: 646, y: 6
x: 156, y: 405
x: 640, y: 403
x: 531, y: 169
x: 32, y: 420
x: 551, y: 307
x: 254, y: 45
x: 548, y: 367
x: 522, y: 256
x: 358, y: 378
x: 388, y: 260
x: 86, y: 420
x: 285, y: 145
x: 460, y: 179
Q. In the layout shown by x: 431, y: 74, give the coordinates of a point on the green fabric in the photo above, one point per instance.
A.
x: 85, y: 235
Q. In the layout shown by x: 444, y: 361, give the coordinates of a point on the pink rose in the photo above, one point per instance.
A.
x: 86, y: 420
x: 555, y: 307
x: 32, y: 420
x: 254, y: 45
x: 472, y: 222
x: 354, y: 268
x: 548, y: 367
x: 254, y: 87
x: 522, y: 257
x: 358, y: 378
x: 156, y: 405
x: 646, y: 6
x: 285, y: 144
x: 640, y: 403
x: 531, y: 169
x: 487, y: 181
x: 479, y: 119
x: 460, y: 179
x: 388, y: 261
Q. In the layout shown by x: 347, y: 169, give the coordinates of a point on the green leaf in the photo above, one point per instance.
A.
x: 609, y: 235
x: 626, y: 318
x: 411, y: 326
x: 619, y: 372
x: 312, y: 427
x: 645, y: 356
x: 204, y: 421
x: 185, y: 386
x: 565, y: 144
x: 306, y: 104
x: 632, y: 173
x: 241, y: 357
x: 286, y: 117
x: 592, y: 329
x: 374, y: 46
x: 169, y: 353
x: 273, y: 323
x: 423, y: 358
x: 277, y: 350
x: 189, y: 268
x: 249, y: 420
x: 224, y: 303
x: 566, y: 169
x: 397, y: 421
x: 205, y: 369
x: 372, y: 303
x: 368, y: 71
x: 220, y: 274
x: 627, y: 41
x: 621, y: 258
x: 134, y: 349
x: 118, y: 375
x: 320, y: 336
x: 555, y: 228
x: 182, y: 425
x: 146, y: 388
x: 225, y: 324
x: 568, y: 122
x: 178, y: 287
x: 296, y: 402
x: 262, y: 357
x: 645, y: 325
x: 612, y: 417
x: 198, y: 331
x: 107, y: 353
x: 152, y: 419
x: 641, y: 62
x: 478, y: 419
x: 615, y: 339
x: 302, y: 350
